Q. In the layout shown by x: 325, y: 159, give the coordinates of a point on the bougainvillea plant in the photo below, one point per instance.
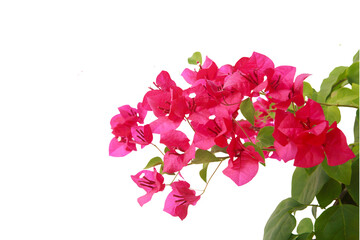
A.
x: 244, y: 114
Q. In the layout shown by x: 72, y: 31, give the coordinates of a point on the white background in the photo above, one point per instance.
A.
x: 65, y: 67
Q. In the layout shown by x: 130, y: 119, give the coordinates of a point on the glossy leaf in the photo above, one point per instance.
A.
x: 195, y: 58
x: 203, y: 156
x: 341, y: 173
x: 305, y: 226
x: 203, y: 172
x: 353, y: 73
x: 304, y: 187
x: 340, y: 222
x: 154, y: 162
x: 328, y: 193
x: 353, y: 187
x: 335, y: 76
x: 265, y: 136
x: 248, y: 111
x: 281, y: 223
x: 332, y: 114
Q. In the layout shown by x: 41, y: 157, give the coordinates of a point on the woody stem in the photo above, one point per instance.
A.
x: 158, y: 149
x: 339, y: 105
x: 207, y: 183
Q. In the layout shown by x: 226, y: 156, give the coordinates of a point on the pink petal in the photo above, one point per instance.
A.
x: 309, y: 156
x: 241, y: 171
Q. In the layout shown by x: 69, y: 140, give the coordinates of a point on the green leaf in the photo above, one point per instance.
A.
x: 305, y: 236
x: 203, y: 156
x: 353, y: 187
x: 304, y: 187
x: 281, y: 223
x: 356, y: 57
x: 166, y: 149
x: 265, y: 136
x: 329, y: 192
x: 353, y: 73
x: 153, y: 162
x: 340, y: 222
x: 337, y: 75
x: 314, y: 211
x: 307, y: 90
x: 216, y: 149
x: 341, y: 173
x: 203, y: 172
x: 305, y: 226
x: 345, y: 96
x: 195, y: 58
x: 248, y: 111
x: 356, y: 127
x: 332, y: 114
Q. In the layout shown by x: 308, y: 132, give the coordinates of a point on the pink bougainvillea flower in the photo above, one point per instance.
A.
x: 336, y: 149
x: 151, y: 181
x: 307, y: 137
x: 121, y: 148
x: 142, y: 135
x: 179, y: 199
x: 180, y: 151
x: 243, y: 164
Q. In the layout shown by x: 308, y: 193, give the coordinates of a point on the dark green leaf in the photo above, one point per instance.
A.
x: 310, y: 170
x: 345, y: 96
x: 304, y: 187
x: 305, y: 236
x: 265, y: 136
x: 353, y: 187
x: 356, y: 127
x: 203, y: 172
x: 353, y: 73
x: 281, y: 223
x: 338, y: 74
x: 328, y: 193
x: 314, y: 211
x: 153, y: 162
x: 341, y: 173
x: 216, y: 149
x: 340, y: 222
x: 305, y: 226
x: 332, y: 114
x: 195, y: 58
x: 203, y: 156
x: 293, y: 237
x: 248, y: 111
x: 356, y: 57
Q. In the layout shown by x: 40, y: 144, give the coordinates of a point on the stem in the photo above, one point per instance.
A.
x: 189, y: 123
x: 243, y: 131
x: 174, y: 178
x: 158, y: 149
x: 211, y: 177
x: 339, y: 105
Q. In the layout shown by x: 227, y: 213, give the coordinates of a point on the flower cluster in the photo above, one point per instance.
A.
x: 251, y: 111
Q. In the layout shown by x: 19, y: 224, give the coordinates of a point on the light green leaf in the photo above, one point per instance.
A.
x: 356, y: 57
x: 248, y: 111
x: 195, y: 58
x: 304, y: 187
x: 356, y: 127
x: 166, y: 149
x: 216, y: 149
x: 314, y: 211
x: 353, y: 187
x: 307, y: 90
x: 337, y: 75
x: 345, y: 96
x: 340, y: 222
x: 203, y: 156
x: 305, y: 226
x: 265, y: 136
x: 353, y: 73
x: 153, y: 162
x: 281, y: 223
x: 203, y: 172
x: 332, y: 114
x: 328, y: 193
x: 341, y: 173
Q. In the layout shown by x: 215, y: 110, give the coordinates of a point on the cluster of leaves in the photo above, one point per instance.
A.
x: 335, y: 188
x: 244, y: 114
